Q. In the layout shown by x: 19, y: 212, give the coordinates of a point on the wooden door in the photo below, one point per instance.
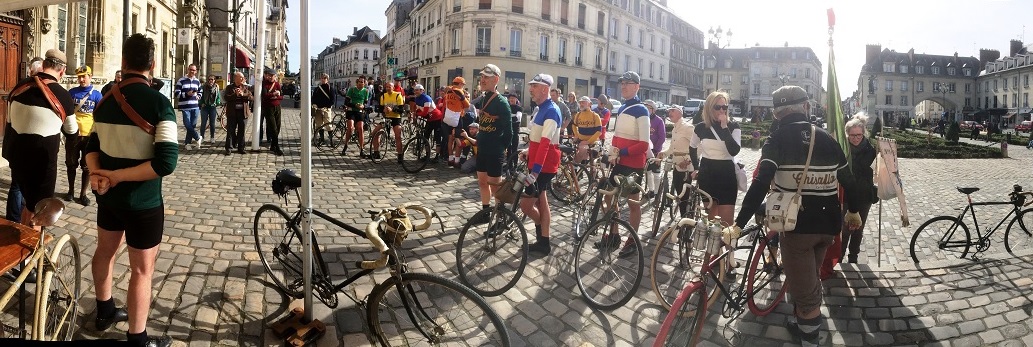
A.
x: 10, y: 65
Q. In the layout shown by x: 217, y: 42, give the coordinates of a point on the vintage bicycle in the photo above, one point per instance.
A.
x: 950, y: 235
x: 406, y: 308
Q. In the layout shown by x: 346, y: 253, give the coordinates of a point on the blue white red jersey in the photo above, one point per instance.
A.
x: 631, y: 133
x: 543, y: 153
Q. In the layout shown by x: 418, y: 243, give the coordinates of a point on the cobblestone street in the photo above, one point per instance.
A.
x: 210, y: 287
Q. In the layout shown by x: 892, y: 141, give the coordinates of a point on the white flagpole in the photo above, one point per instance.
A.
x: 258, y: 71
x: 305, y: 73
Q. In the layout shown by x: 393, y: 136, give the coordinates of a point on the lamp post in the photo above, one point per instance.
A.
x: 943, y: 90
x: 716, y: 36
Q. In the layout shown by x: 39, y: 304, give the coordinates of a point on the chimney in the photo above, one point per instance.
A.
x: 1015, y: 48
x: 355, y: 30
x: 988, y: 55
x: 871, y: 53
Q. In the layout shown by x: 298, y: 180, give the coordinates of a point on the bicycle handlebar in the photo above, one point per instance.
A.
x: 374, y: 238
x: 622, y: 183
x: 685, y: 191
x: 373, y: 230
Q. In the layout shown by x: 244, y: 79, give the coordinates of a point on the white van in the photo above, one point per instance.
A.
x: 692, y: 106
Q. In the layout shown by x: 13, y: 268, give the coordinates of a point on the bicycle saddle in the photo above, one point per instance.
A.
x: 567, y: 149
x: 288, y: 179
x: 967, y: 191
x: 48, y: 211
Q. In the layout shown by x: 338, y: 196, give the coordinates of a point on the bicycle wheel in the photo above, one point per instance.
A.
x: 432, y: 311
x: 765, y: 279
x: 663, y: 209
x: 563, y: 185
x: 586, y: 213
x: 608, y: 278
x: 278, y: 242
x: 415, y: 155
x: 676, y: 262
x: 386, y: 146
x: 683, y: 325
x: 61, y: 290
x: 491, y: 257
x: 943, y: 234
x: 1017, y: 237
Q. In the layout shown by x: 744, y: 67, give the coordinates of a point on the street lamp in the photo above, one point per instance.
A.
x: 715, y: 36
x: 943, y: 90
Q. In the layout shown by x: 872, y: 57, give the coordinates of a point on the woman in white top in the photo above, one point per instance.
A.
x: 681, y: 139
x: 715, y: 143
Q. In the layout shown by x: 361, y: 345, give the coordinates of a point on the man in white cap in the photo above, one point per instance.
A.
x: 492, y: 138
x: 543, y: 161
x: 37, y: 118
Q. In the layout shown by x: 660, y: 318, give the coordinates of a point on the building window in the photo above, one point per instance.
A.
x: 564, y: 10
x: 600, y: 21
x: 640, y: 66
x: 628, y: 32
x: 515, y: 38
x: 1015, y: 81
x: 518, y: 6
x: 662, y: 72
x: 756, y: 88
x: 726, y: 78
x: 652, y: 43
x: 581, y: 14
x: 1005, y: 83
x: 561, y: 51
x: 578, y: 48
x: 889, y: 99
x: 365, y: 68
x: 968, y: 88
x: 1025, y: 99
x: 1025, y: 80
x: 887, y: 67
x: 995, y: 85
x: 951, y: 71
x: 710, y: 78
x: 968, y: 102
x: 650, y: 69
x: 543, y: 47
x: 613, y: 27
x: 903, y: 100
x: 936, y: 70
x: 728, y: 63
x: 889, y: 85
x: 1015, y: 100
x: 627, y: 62
x: 663, y: 46
x: 1005, y: 103
x: 455, y: 41
x: 903, y: 86
x: 967, y: 72
x: 62, y: 27
x: 80, y: 56
x: 641, y: 38
x: 484, y: 5
x: 745, y: 79
x: 792, y: 72
x: 546, y: 9
x: 365, y: 54
x: 483, y: 41
x: 919, y: 70
x: 598, y: 57
x: 457, y: 5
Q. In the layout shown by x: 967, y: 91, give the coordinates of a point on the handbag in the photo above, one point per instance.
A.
x: 740, y: 172
x: 506, y: 192
x: 782, y: 208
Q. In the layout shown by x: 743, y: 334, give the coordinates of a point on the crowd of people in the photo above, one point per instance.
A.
x: 476, y: 131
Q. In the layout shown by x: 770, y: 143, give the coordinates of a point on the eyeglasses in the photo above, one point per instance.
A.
x: 720, y: 107
x: 855, y: 135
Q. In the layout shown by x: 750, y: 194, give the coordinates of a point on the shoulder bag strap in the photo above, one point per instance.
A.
x: 120, y: 98
x: 486, y: 103
x: 78, y: 107
x: 807, y: 165
x: 47, y: 93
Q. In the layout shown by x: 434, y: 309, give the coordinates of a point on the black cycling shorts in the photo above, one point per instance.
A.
x: 541, y: 185
x: 143, y: 228
x: 394, y: 121
x: 624, y: 171
x: 490, y: 163
x: 357, y: 116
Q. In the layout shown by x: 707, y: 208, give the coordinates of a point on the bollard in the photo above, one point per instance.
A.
x: 1004, y: 145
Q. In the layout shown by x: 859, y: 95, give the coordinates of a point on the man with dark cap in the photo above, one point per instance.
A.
x: 786, y: 153
x: 114, y: 82
x: 85, y: 97
x: 37, y: 118
x: 271, y: 96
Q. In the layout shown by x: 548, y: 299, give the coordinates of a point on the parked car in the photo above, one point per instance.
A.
x: 1024, y: 126
x: 969, y: 124
x: 692, y: 105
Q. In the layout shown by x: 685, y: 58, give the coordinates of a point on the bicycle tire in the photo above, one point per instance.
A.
x: 1017, y: 240
x: 939, y: 238
x: 383, y: 149
x: 683, y: 325
x: 415, y: 155
x: 589, y: 276
x: 477, y: 249
x: 662, y: 206
x: 278, y: 242
x: 61, y: 289
x: 437, y: 302
x: 675, y: 262
x: 563, y: 186
x: 765, y: 278
x: 586, y: 213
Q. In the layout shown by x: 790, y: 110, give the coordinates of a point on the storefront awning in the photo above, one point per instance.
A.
x: 242, y: 61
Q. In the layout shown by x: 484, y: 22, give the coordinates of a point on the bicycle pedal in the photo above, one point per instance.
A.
x: 295, y: 331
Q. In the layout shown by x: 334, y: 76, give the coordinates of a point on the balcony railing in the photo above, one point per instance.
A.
x: 543, y: 57
x: 598, y: 66
x: 516, y: 54
x: 563, y: 60
x: 613, y: 68
x: 455, y: 51
x: 482, y: 52
x: 518, y: 9
x: 577, y: 61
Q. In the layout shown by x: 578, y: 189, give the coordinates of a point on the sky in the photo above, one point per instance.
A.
x: 940, y: 27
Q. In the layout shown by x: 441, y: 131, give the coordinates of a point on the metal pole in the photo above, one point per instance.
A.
x: 305, y: 74
x: 259, y: 77
x: 233, y: 51
x: 127, y: 13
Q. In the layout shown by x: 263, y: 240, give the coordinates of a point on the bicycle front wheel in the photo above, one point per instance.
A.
x: 564, y: 185
x: 676, y: 262
x: 278, y: 242
x: 384, y: 147
x: 415, y: 155
x: 940, y: 238
x: 491, y: 256
x: 683, y: 325
x: 663, y: 207
x: 61, y: 289
x: 1018, y: 237
x: 427, y: 310
x: 608, y: 278
x: 765, y: 279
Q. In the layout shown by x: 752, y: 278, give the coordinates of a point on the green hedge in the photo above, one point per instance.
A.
x: 918, y: 145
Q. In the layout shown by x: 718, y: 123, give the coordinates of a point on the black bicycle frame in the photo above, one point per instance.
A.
x: 975, y: 221
x: 739, y: 300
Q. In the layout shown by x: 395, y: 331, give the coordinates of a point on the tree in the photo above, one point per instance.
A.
x: 953, y: 133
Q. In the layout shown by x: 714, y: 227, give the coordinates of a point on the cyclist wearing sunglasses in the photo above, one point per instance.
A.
x: 714, y: 146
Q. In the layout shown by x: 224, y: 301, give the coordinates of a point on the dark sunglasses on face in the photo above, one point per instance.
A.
x: 720, y: 107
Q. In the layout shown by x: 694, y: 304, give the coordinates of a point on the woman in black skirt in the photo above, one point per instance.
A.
x: 714, y: 145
